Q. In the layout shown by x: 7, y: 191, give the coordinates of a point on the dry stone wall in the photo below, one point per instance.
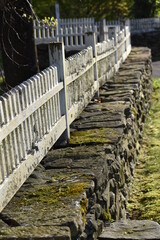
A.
x: 79, y: 188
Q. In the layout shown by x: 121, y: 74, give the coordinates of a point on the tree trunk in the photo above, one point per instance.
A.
x: 17, y: 42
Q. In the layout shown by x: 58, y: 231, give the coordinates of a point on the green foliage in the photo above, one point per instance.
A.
x: 44, y: 8
x: 109, y: 9
x: 49, y: 21
x: 152, y: 8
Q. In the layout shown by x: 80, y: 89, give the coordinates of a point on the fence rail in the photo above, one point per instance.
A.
x: 37, y: 112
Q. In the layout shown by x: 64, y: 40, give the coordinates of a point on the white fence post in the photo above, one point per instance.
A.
x: 103, y: 31
x: 112, y: 32
x: 90, y: 40
x: 57, y: 57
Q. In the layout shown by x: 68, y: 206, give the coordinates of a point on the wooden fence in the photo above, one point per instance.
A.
x: 37, y: 112
x: 145, y: 25
x: 72, y: 31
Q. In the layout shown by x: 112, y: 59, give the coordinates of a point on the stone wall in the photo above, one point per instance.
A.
x: 79, y: 188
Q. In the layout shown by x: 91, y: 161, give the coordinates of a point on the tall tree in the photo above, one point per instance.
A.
x: 17, y: 41
x: 109, y: 9
x: 145, y: 8
x: 44, y: 8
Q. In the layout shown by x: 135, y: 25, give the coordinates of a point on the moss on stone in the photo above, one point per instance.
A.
x: 134, y: 112
x: 88, y: 177
x: 144, y: 202
x: 98, y: 136
x: 52, y: 195
x: 83, y: 208
x: 106, y: 216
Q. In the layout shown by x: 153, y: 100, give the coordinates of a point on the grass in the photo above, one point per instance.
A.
x: 144, y: 202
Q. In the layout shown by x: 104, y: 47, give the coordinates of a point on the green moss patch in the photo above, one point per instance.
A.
x: 52, y: 194
x: 98, y: 136
x: 144, y: 202
x: 106, y: 216
x: 83, y: 208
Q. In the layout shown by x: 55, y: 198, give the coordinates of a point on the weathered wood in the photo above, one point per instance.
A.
x: 4, y: 131
x: 57, y: 57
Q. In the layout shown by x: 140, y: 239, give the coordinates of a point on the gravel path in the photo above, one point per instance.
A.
x: 156, y: 69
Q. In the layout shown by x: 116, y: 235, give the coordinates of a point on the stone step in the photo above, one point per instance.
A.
x: 131, y: 229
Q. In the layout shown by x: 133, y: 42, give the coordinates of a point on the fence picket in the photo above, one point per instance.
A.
x: 70, y: 32
x: 7, y: 156
x: 15, y: 148
x: 5, y: 108
x: 11, y: 152
x: 39, y: 93
x: 22, y: 128
x: 76, y: 35
x: 51, y: 78
x: 2, y: 118
x: 25, y: 125
x: 3, y: 166
x: 49, y: 102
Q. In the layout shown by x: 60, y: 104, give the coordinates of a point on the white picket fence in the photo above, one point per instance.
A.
x: 37, y: 112
x: 145, y: 25
x: 72, y: 31
x: 75, y: 22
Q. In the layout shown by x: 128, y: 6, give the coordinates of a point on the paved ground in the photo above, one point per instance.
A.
x: 156, y: 69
